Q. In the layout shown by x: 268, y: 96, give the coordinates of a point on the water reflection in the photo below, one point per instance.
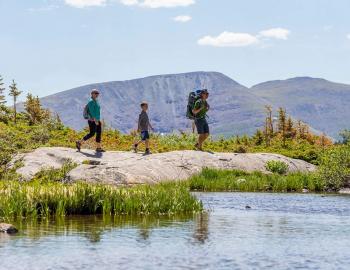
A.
x: 94, y: 227
x: 201, y: 231
x: 280, y: 231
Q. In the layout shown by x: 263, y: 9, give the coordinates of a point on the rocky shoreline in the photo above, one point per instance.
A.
x: 128, y: 168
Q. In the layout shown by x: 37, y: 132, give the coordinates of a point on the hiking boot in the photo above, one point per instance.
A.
x: 78, y: 145
x: 196, y: 146
x: 100, y: 150
x: 147, y: 152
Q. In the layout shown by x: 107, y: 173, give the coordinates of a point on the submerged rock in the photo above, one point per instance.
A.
x: 345, y: 191
x: 8, y: 228
x: 128, y: 168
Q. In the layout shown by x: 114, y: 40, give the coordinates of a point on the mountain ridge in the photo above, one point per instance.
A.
x: 321, y: 103
x: 167, y: 95
x: 236, y: 109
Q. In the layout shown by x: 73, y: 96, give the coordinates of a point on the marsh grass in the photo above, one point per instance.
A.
x: 38, y: 199
x: 46, y: 196
x: 234, y: 180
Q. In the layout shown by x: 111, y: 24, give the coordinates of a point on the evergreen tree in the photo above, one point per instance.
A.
x: 258, y: 137
x: 31, y: 109
x: 35, y: 111
x: 2, y: 92
x: 282, y: 124
x: 290, y: 131
x: 268, y: 129
x: 323, y: 141
x: 345, y: 135
x: 303, y: 131
x: 14, y: 93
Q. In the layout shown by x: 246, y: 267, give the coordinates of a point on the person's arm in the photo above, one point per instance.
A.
x: 197, y: 107
x: 138, y: 124
x: 149, y: 123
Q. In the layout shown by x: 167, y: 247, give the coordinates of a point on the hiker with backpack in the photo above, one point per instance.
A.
x: 92, y: 113
x: 200, y: 107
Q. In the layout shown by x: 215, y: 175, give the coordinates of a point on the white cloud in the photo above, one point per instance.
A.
x: 229, y: 39
x: 85, y: 3
x: 277, y: 33
x: 158, y: 3
x: 348, y: 36
x: 182, y: 18
x: 129, y: 2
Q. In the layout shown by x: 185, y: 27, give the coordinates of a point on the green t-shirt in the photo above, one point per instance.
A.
x: 201, y: 104
x: 94, y: 109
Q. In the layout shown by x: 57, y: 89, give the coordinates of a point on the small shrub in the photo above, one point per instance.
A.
x: 240, y: 149
x: 55, y: 175
x: 334, y: 167
x: 276, y: 166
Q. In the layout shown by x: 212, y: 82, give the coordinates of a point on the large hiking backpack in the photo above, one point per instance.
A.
x: 86, y: 113
x: 192, y: 98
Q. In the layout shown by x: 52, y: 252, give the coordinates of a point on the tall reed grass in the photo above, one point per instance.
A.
x: 234, y: 180
x: 38, y: 199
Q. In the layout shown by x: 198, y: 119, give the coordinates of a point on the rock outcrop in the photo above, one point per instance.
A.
x: 127, y: 168
x: 8, y: 228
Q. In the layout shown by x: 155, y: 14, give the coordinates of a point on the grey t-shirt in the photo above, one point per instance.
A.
x: 143, y: 121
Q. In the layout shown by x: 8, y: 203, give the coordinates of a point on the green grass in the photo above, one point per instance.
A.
x: 211, y: 180
x: 47, y: 196
x: 38, y: 199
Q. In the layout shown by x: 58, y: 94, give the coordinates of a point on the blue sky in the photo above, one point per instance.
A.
x: 54, y: 45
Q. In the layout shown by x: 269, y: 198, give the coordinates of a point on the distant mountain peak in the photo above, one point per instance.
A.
x: 306, y: 79
x: 294, y: 80
x: 167, y: 95
x: 235, y: 109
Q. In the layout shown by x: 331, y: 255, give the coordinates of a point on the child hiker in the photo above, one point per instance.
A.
x: 144, y: 126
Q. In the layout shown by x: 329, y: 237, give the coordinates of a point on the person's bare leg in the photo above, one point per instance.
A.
x: 136, y: 144
x: 193, y: 127
x: 147, y: 143
x: 201, y: 139
x: 98, y: 145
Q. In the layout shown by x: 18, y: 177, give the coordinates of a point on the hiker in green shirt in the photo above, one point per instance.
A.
x: 93, y: 111
x: 201, y: 107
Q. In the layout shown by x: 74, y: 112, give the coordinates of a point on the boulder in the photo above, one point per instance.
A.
x: 128, y: 168
x: 345, y: 191
x: 8, y: 228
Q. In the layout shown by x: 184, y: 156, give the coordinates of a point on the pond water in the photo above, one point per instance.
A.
x: 279, y: 231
